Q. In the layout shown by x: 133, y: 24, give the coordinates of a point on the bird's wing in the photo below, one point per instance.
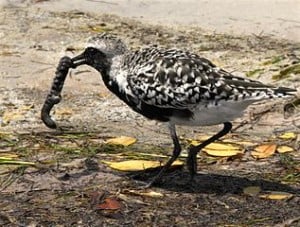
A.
x: 178, y: 79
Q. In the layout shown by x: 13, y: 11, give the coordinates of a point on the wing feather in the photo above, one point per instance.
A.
x: 178, y: 79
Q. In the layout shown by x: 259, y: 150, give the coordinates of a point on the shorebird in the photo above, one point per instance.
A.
x: 168, y: 85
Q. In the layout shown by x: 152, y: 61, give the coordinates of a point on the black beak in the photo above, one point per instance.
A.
x: 79, y: 60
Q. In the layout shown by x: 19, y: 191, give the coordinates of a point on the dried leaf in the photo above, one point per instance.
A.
x: 252, y: 190
x: 222, y: 150
x: 137, y: 165
x: 131, y: 199
x: 109, y: 204
x: 122, y: 140
x: 288, y: 135
x: 284, y: 149
x: 16, y: 114
x: 64, y: 111
x: 274, y: 195
x: 264, y: 151
x: 243, y: 142
x: 27, y: 107
x: 9, y: 116
x: 152, y: 194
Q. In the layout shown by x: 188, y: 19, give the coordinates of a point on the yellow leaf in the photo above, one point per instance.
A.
x: 252, y: 190
x: 203, y: 138
x: 284, y: 149
x: 288, y: 135
x: 195, y: 143
x: 264, y: 151
x: 137, y: 165
x: 122, y: 140
x: 198, y: 140
x: 243, y: 142
x: 276, y: 195
x: 64, y: 111
x: 9, y: 116
x: 27, y: 107
x: 222, y: 150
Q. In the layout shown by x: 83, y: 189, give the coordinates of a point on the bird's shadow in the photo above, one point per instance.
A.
x: 209, y: 183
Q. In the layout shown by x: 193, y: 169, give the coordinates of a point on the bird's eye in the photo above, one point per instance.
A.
x: 92, y: 50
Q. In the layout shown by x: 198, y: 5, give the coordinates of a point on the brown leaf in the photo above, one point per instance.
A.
x: 109, y: 204
x: 264, y: 151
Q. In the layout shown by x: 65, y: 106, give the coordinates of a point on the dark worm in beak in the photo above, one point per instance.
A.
x: 54, y: 96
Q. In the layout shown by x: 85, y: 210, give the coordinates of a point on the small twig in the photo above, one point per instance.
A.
x: 242, y: 124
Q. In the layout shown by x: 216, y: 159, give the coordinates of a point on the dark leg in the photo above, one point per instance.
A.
x: 176, y: 152
x: 192, y: 157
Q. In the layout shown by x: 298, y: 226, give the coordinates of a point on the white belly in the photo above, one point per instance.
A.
x: 213, y: 115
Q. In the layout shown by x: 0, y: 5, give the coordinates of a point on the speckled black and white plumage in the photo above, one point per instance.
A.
x: 174, y: 86
x: 179, y: 86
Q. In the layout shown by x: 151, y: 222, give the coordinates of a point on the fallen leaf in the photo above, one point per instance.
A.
x: 152, y: 194
x: 137, y: 165
x: 264, y: 151
x: 64, y: 111
x: 274, y: 195
x: 222, y: 150
x: 284, y: 149
x: 27, y: 107
x: 203, y: 137
x: 252, y: 190
x: 122, y: 140
x: 131, y: 199
x: 109, y: 204
x: 288, y: 135
x: 242, y: 142
x: 9, y: 116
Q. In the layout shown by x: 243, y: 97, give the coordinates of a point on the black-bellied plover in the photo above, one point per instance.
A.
x: 167, y: 85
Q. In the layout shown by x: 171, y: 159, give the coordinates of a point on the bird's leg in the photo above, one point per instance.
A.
x: 193, y: 150
x: 176, y: 152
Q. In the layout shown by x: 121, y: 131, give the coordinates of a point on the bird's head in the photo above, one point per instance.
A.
x: 100, y: 50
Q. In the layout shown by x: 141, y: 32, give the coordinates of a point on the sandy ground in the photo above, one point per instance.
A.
x: 34, y: 35
x: 280, y: 19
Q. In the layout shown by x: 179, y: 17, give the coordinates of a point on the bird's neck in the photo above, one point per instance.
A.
x: 113, y: 76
